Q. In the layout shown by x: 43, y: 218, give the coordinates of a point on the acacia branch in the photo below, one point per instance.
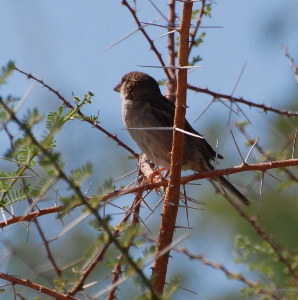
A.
x: 46, y: 243
x: 253, y: 221
x: 263, y: 167
x: 197, y: 26
x: 31, y: 216
x: 292, y: 63
x: 150, y: 41
x: 172, y: 82
x: 100, y: 255
x: 264, y: 107
x: 228, y: 273
x: 48, y: 249
x: 117, y: 271
x: 76, y: 190
x: 268, y: 156
x: 39, y: 288
x: 69, y: 105
x: 170, y: 207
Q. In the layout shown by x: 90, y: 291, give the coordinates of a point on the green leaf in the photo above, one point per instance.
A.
x: 68, y: 204
x: 61, y: 284
x: 33, y: 117
x: 16, y: 195
x: 79, y: 175
x: 6, y: 71
x: 43, y: 186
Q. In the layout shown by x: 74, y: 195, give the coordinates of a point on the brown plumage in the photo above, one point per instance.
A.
x: 144, y: 106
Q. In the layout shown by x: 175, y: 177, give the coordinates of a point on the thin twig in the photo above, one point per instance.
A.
x: 269, y: 157
x: 150, y: 41
x: 129, y: 34
x: 231, y: 104
x: 39, y: 288
x: 265, y: 108
x: 279, y: 251
x: 172, y: 81
x: 292, y: 63
x: 228, y: 273
x: 67, y: 104
x: 261, y: 192
x: 239, y: 152
x: 294, y: 143
x: 250, y: 150
x: 193, y: 34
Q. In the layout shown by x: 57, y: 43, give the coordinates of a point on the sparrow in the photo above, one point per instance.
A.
x: 143, y: 106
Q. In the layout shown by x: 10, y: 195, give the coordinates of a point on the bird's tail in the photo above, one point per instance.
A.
x: 227, y: 184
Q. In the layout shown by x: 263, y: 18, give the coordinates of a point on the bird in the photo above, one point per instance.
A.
x: 144, y: 106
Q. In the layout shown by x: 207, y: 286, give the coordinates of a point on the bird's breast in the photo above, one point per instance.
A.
x: 136, y: 114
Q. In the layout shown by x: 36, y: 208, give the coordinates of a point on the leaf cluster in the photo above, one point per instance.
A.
x: 262, y: 259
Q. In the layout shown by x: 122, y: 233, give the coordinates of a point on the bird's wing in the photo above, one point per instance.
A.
x: 165, y: 111
x: 206, y: 149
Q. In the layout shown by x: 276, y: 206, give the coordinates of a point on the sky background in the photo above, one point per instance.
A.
x: 63, y: 43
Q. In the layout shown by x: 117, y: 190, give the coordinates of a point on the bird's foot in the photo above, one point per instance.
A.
x: 155, y: 176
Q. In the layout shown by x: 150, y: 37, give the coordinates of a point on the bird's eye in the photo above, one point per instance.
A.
x: 123, y: 79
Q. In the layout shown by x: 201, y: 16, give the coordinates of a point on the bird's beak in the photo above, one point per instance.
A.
x: 117, y: 88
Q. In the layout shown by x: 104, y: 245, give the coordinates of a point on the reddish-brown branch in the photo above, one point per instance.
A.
x: 117, y: 271
x: 228, y: 273
x: 150, y: 41
x: 263, y: 167
x: 172, y: 82
x: 170, y: 207
x: 292, y: 63
x: 42, y: 235
x: 279, y: 251
x: 91, y: 267
x: 31, y: 216
x: 39, y: 288
x: 48, y: 250
x: 195, y: 31
x: 270, y: 157
x: 164, y: 182
x: 134, y: 210
x: 265, y: 108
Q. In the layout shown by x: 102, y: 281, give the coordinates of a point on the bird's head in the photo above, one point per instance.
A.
x: 135, y: 85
